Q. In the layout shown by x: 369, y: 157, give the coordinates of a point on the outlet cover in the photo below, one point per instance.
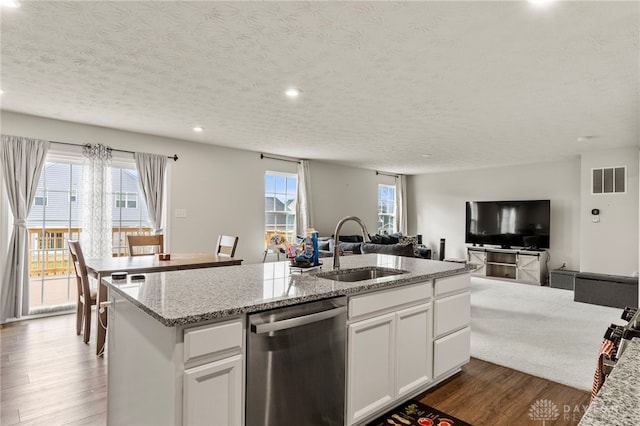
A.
x: 181, y: 212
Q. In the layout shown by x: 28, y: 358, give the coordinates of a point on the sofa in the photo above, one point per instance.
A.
x: 394, y: 244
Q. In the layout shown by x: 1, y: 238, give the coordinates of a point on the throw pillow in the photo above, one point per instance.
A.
x: 413, y: 241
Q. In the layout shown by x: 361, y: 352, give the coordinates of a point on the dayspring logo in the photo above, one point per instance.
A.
x: 543, y: 410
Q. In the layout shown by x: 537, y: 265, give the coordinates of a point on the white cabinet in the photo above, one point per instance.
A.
x: 212, y: 393
x: 413, y: 349
x: 390, y: 350
x: 451, y: 351
x: 213, y: 377
x: 179, y: 375
x: 451, y: 319
x: 371, y: 366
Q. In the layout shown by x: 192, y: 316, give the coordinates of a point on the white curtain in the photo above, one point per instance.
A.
x: 304, y: 210
x: 401, y: 204
x: 97, y: 223
x: 22, y: 161
x: 151, y: 168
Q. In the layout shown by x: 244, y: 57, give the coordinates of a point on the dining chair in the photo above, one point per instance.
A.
x: 226, y: 245
x: 86, y: 296
x: 141, y: 245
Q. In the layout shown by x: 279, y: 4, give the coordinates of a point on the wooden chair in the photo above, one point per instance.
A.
x: 86, y: 296
x: 226, y: 245
x: 141, y: 245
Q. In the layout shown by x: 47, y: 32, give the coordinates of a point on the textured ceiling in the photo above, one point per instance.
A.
x: 473, y: 84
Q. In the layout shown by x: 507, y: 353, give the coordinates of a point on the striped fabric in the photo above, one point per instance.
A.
x: 608, y: 350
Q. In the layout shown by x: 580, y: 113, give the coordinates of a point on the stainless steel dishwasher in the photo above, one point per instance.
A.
x: 296, y: 365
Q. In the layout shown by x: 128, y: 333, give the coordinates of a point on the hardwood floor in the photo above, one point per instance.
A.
x: 492, y: 395
x: 49, y: 377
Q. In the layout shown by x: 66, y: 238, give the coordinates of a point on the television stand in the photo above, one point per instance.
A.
x: 520, y: 265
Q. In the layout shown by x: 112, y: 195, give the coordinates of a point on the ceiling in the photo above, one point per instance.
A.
x: 472, y: 84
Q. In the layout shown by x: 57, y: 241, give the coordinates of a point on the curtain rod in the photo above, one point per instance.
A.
x: 387, y: 174
x: 175, y: 156
x: 262, y: 156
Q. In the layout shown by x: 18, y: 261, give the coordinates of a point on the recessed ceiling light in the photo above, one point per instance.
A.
x: 426, y: 155
x: 14, y: 4
x: 292, y: 92
x: 198, y: 129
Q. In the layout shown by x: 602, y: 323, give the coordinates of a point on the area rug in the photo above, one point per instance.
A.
x: 415, y: 413
x: 538, y: 330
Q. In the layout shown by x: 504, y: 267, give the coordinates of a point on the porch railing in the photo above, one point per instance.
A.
x: 49, y: 254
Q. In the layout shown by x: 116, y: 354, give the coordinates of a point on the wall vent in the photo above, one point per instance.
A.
x: 609, y: 180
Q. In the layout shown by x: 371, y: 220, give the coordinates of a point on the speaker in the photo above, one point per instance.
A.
x: 419, y: 238
x: 441, y: 248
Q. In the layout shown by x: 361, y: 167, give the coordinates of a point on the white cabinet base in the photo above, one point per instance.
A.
x: 451, y: 351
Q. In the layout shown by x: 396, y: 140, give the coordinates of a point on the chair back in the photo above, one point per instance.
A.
x: 82, y: 277
x: 140, y: 245
x: 226, y: 246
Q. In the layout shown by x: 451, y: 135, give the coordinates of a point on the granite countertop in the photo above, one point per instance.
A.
x: 618, y: 402
x: 191, y: 296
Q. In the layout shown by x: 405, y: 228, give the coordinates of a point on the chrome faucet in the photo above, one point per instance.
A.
x: 336, y: 236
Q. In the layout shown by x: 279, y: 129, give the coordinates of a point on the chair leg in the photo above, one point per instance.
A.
x: 79, y: 312
x: 87, y: 322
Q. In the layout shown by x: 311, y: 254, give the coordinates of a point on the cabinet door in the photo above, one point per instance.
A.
x: 452, y: 313
x: 529, y: 268
x: 413, y: 348
x: 371, y: 361
x: 451, y: 351
x: 212, y: 393
x: 477, y: 258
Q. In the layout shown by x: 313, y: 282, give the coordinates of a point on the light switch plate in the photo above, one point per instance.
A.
x: 181, y: 212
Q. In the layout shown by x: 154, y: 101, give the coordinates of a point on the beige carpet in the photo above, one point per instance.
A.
x: 538, y: 330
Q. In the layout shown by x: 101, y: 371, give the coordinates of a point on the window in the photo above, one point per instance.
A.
x: 608, y: 180
x: 127, y: 200
x: 56, y: 217
x: 386, y: 209
x: 41, y: 199
x: 280, y: 205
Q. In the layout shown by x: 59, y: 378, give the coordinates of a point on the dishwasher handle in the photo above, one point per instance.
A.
x: 297, y: 321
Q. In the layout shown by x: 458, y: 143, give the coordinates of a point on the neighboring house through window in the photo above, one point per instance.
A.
x: 280, y: 205
x: 386, y: 209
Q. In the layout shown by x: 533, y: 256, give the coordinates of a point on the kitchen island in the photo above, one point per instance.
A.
x: 177, y: 351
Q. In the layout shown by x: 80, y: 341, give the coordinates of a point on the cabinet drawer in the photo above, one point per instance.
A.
x: 452, y: 313
x: 452, y: 284
x: 387, y: 299
x: 209, y: 339
x: 451, y: 351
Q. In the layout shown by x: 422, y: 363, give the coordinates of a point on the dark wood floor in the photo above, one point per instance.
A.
x: 492, y: 395
x: 49, y: 377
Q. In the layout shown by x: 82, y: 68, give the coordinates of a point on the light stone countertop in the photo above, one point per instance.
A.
x: 618, y: 402
x: 192, y: 296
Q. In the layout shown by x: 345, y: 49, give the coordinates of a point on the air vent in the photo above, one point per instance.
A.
x: 609, y: 180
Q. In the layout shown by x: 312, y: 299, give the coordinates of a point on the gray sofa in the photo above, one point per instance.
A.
x: 353, y: 244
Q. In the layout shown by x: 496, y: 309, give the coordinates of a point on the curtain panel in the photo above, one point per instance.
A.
x: 304, y: 208
x: 22, y: 161
x: 151, y: 171
x: 97, y: 227
x: 401, y: 204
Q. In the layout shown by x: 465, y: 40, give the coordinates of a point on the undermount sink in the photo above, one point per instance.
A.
x: 360, y: 274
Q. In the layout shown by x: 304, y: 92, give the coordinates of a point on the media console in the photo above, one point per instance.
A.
x: 525, y: 266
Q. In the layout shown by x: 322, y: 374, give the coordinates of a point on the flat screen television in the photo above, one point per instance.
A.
x: 522, y: 224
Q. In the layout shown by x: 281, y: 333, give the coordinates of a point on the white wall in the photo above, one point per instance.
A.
x: 436, y: 204
x: 221, y: 189
x: 611, y: 245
